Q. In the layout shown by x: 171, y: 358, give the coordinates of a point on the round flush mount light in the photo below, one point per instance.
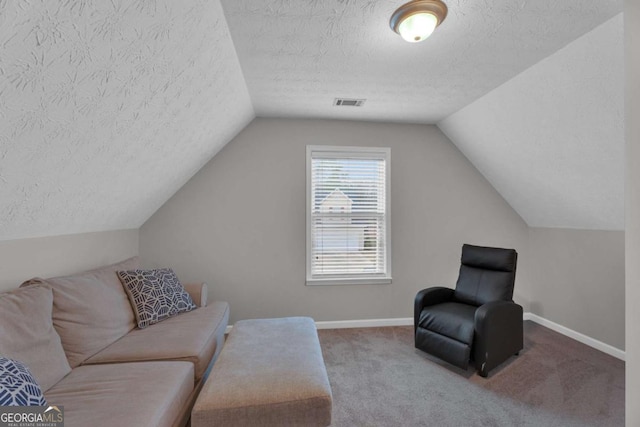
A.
x: 416, y: 20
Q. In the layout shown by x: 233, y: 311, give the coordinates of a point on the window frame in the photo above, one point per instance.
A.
x: 374, y: 153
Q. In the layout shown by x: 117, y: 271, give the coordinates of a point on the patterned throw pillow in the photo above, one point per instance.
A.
x: 155, y: 295
x: 18, y: 387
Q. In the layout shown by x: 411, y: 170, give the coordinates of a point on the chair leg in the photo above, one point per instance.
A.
x: 483, y: 371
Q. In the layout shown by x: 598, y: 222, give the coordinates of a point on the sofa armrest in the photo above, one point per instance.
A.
x: 429, y: 296
x: 198, y: 293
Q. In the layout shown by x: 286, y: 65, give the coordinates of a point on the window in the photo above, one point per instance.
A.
x: 348, y: 233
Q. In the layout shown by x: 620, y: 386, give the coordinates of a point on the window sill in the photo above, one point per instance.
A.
x: 349, y: 281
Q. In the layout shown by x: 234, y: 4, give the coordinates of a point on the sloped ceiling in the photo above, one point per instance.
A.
x: 551, y: 140
x: 108, y: 107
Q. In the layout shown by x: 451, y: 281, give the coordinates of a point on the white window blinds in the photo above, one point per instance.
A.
x: 347, y: 214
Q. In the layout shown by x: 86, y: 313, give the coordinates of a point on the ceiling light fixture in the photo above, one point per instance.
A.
x: 416, y: 20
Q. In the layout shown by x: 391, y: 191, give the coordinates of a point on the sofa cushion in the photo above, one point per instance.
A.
x: 155, y: 295
x: 27, y: 333
x: 91, y: 309
x: 18, y: 387
x: 194, y: 336
x: 128, y: 394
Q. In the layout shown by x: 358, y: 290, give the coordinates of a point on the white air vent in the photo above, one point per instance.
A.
x: 344, y: 102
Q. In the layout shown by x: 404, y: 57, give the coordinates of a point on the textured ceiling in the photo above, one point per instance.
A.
x: 108, y: 107
x: 551, y: 140
x: 298, y: 55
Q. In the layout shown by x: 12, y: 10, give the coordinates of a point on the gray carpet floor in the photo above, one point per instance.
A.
x: 378, y: 378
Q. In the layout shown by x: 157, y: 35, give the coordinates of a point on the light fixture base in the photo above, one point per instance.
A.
x: 434, y: 7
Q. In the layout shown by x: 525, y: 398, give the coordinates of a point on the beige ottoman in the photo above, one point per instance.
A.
x: 270, y: 373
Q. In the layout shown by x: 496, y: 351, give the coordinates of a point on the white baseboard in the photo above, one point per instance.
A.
x: 408, y: 321
x: 591, y: 342
x: 367, y: 323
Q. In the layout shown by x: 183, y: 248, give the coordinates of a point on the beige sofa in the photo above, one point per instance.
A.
x: 78, y: 336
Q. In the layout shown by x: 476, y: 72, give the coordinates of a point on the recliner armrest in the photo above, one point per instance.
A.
x: 198, y: 293
x: 498, y: 333
x: 427, y: 297
x: 492, y: 313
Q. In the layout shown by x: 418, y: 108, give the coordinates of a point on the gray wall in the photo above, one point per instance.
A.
x: 632, y: 128
x: 578, y: 280
x: 59, y: 255
x: 239, y: 224
x: 212, y: 230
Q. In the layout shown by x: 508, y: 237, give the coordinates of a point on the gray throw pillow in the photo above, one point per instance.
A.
x: 155, y: 295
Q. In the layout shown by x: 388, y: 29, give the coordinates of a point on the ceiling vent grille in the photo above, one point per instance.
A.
x: 345, y: 102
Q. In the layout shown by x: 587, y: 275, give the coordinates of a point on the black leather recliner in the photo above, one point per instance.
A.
x: 478, y: 319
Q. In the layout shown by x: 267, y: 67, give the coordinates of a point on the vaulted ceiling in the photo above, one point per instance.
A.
x: 108, y: 108
x: 297, y: 56
x: 551, y: 140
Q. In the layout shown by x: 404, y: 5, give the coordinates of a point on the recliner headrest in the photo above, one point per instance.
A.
x: 487, y: 258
